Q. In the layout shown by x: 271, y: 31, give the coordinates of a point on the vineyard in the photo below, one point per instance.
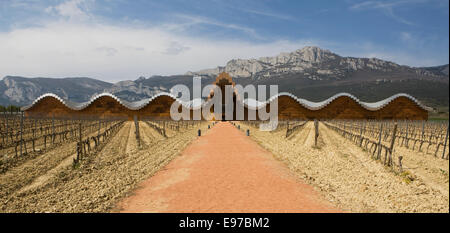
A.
x: 366, y: 166
x: 380, y: 138
x: 24, y: 137
x: 90, y: 164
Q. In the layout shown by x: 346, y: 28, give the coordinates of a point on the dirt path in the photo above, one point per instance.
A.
x: 224, y: 171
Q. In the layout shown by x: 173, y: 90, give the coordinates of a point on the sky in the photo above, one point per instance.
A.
x: 114, y: 40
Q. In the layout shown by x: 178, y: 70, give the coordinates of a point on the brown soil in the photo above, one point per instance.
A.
x: 224, y: 171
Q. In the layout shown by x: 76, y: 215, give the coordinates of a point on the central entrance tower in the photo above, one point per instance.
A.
x: 222, y: 80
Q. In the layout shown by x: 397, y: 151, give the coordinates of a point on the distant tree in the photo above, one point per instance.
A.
x: 12, y: 108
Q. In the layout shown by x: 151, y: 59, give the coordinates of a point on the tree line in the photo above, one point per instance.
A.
x: 9, y: 108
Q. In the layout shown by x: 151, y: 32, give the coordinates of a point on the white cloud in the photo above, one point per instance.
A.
x: 107, y: 51
x: 406, y: 36
x: 270, y: 14
x: 175, y: 48
x: 72, y: 9
x: 64, y: 48
x: 71, y: 47
x: 386, y: 7
x: 399, y: 56
x: 112, y: 53
x: 192, y: 20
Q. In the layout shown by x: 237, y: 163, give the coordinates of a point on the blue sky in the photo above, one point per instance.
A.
x: 117, y: 39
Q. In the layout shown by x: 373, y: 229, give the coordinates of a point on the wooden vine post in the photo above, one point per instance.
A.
x: 391, y: 148
x: 3, y: 135
x: 136, y: 124
x: 423, y: 130
x: 316, y: 135
x: 99, y: 127
x: 400, y: 167
x: 344, y: 127
x: 445, y: 142
x: 80, y: 139
x: 53, y: 129
x: 21, y: 133
x: 361, y: 134
x: 7, y: 129
x: 33, y: 130
x: 406, y: 136
x: 379, y: 141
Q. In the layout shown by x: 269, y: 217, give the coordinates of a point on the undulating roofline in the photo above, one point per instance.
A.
x: 249, y: 103
x: 130, y: 105
x: 319, y: 105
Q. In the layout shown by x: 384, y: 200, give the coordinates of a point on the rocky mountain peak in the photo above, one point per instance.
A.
x: 291, y: 62
x: 311, y: 62
x: 313, y: 53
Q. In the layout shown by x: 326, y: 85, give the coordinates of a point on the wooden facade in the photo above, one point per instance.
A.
x: 345, y: 107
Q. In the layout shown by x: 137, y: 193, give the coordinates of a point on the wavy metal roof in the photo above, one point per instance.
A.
x: 249, y: 103
x: 130, y: 105
x: 254, y: 104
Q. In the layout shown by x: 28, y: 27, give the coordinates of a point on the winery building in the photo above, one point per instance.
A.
x: 290, y: 107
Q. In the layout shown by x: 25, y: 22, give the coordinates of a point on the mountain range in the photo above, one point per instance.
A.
x: 311, y: 73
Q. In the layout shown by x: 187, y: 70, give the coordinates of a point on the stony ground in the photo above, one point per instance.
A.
x: 50, y: 184
x: 20, y: 175
x: 349, y: 178
x: 434, y: 171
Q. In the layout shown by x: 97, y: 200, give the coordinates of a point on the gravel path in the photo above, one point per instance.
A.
x: 224, y: 171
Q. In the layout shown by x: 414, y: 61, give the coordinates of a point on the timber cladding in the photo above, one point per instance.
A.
x: 345, y: 107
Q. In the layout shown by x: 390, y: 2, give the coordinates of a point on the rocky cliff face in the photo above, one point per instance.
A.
x: 309, y: 62
x: 17, y: 91
x: 20, y: 90
x: 135, y: 90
